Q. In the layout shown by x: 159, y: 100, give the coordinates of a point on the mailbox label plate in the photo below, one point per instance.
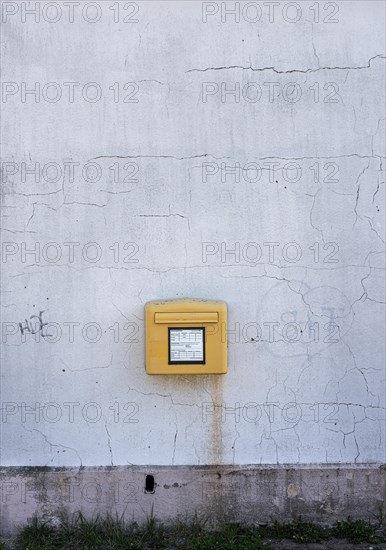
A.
x: 187, y: 346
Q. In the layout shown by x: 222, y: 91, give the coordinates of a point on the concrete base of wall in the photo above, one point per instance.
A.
x: 248, y: 494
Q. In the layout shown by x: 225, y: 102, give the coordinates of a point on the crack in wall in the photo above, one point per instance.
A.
x: 291, y: 71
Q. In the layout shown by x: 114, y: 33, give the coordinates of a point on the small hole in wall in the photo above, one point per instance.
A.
x: 149, y: 484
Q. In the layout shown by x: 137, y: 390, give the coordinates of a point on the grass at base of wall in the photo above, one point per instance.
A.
x: 114, y: 534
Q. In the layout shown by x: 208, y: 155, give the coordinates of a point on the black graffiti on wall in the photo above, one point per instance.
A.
x: 34, y: 327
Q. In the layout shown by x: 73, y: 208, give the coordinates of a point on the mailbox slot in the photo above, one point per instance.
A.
x: 186, y: 317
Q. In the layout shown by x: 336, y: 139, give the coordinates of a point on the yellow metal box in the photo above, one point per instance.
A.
x: 186, y: 336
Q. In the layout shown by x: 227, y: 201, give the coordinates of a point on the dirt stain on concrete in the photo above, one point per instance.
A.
x: 216, y: 450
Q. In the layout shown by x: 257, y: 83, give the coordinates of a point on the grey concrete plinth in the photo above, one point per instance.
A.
x: 248, y: 494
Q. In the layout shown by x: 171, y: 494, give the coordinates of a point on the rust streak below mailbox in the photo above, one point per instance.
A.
x: 186, y: 336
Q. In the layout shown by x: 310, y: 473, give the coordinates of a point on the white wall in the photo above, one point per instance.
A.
x: 169, y: 201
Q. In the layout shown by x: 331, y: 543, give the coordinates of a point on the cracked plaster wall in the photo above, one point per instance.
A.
x: 317, y: 399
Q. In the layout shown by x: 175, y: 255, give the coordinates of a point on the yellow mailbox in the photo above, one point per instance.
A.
x: 186, y: 336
